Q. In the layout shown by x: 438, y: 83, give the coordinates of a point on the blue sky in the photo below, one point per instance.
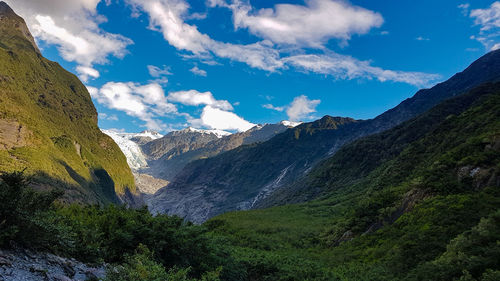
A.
x: 230, y: 64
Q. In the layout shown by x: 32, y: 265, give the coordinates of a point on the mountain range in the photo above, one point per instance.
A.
x: 228, y: 181
x: 156, y: 159
x: 412, y: 194
x: 419, y: 201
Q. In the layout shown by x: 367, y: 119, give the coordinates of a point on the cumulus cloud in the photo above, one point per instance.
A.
x: 346, y: 67
x: 216, y: 118
x: 489, y: 22
x: 93, y: 91
x: 312, y: 24
x: 200, y: 72
x: 86, y: 72
x: 149, y: 104
x: 146, y: 102
x: 167, y: 16
x: 299, y: 109
x: 195, y: 98
x: 73, y: 26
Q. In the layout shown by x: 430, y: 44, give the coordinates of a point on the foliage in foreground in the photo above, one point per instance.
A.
x: 161, y: 245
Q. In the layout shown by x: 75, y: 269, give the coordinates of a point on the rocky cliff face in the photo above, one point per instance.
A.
x: 48, y: 124
x: 241, y: 178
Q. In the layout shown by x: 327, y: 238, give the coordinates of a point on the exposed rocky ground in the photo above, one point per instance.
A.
x: 25, y: 265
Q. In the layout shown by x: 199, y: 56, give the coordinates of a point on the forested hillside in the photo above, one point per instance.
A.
x: 48, y: 124
x: 417, y: 202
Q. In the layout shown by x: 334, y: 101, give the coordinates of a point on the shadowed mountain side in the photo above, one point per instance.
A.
x: 353, y: 162
x: 240, y: 178
x: 417, y: 202
x: 167, y: 156
x: 100, y: 189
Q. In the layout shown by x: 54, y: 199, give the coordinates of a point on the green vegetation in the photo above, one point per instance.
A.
x: 49, y: 124
x: 420, y: 201
x: 422, y: 205
x: 153, y: 248
x: 417, y: 202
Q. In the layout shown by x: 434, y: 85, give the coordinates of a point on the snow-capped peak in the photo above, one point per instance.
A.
x: 218, y: 133
x: 290, y: 123
x: 149, y: 133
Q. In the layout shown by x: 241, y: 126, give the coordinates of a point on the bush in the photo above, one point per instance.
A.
x: 26, y: 216
x: 142, y: 266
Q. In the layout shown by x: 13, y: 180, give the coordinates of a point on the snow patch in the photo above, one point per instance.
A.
x: 218, y: 133
x: 135, y: 158
x: 290, y: 123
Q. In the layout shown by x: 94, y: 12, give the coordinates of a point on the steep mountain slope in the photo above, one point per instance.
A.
x: 417, y: 202
x: 244, y: 177
x: 48, y: 123
x: 232, y: 176
x: 178, y: 142
x: 170, y: 154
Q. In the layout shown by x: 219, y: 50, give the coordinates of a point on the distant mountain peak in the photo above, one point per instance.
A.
x: 290, y: 123
x: 218, y: 133
x: 149, y: 133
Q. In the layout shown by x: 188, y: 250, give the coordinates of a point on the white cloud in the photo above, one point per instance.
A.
x: 167, y: 16
x: 489, y: 22
x: 157, y: 72
x: 74, y: 27
x: 420, y: 38
x: 312, y: 24
x: 105, y: 116
x: 146, y: 102
x: 149, y: 104
x: 465, y: 8
x: 93, y: 91
x: 272, y: 107
x: 345, y: 67
x: 195, y: 98
x: 487, y: 18
x: 160, y: 74
x: 85, y: 72
x: 301, y: 108
x: 216, y: 118
x: 200, y: 72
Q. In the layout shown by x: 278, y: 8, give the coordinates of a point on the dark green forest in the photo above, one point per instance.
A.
x: 420, y: 201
